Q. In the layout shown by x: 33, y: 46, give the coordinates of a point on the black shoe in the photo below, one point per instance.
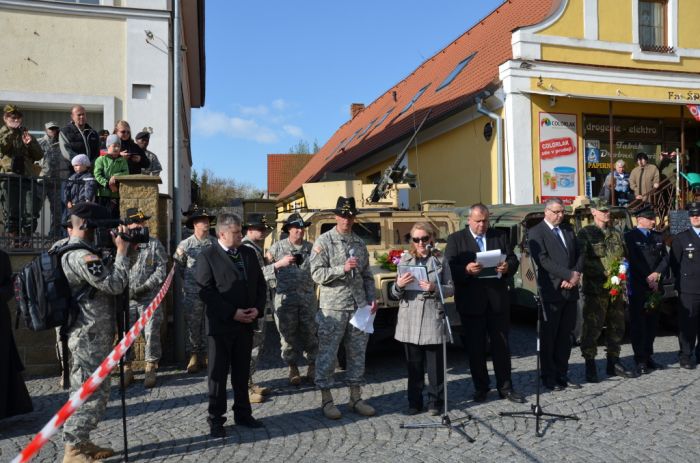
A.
x: 512, y: 396
x: 249, y: 422
x: 652, y: 365
x: 643, y: 368
x: 217, y: 431
x: 480, y: 396
x: 413, y: 411
x: 617, y: 368
x: 433, y: 411
x: 591, y: 371
x: 687, y: 364
x: 551, y: 385
x: 565, y: 382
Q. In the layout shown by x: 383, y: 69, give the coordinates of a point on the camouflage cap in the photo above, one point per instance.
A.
x: 599, y: 205
x: 11, y: 109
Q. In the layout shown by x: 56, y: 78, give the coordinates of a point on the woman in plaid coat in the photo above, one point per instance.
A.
x: 419, y: 324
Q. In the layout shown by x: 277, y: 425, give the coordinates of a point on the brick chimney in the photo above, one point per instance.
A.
x: 355, y: 109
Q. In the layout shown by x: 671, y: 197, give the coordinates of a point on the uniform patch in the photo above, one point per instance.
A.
x: 180, y: 251
x: 90, y: 258
x: 94, y: 265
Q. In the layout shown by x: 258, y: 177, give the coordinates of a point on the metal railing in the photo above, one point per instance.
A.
x: 31, y: 212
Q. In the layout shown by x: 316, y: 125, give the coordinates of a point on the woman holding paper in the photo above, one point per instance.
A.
x: 419, y: 324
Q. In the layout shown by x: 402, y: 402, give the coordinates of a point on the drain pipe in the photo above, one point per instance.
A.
x: 499, y: 143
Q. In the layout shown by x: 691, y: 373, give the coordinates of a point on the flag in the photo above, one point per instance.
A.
x: 695, y: 111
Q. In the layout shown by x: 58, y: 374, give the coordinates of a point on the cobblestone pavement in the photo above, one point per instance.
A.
x: 652, y: 418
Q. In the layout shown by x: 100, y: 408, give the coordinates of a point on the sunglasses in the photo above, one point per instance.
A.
x: 424, y: 239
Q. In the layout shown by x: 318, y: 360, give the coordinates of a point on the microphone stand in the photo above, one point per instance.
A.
x: 446, y: 422
x: 536, y: 409
x: 122, y: 327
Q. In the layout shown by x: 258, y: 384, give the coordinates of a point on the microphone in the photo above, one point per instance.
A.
x: 429, y: 247
x: 351, y: 252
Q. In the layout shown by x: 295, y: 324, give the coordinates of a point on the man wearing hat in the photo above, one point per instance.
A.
x: 55, y: 169
x: 255, y: 230
x: 142, y: 140
x: 602, y: 245
x: 186, y: 254
x: 340, y: 266
x: 685, y: 263
x: 147, y: 262
x: 18, y: 152
x: 295, y: 298
x: 648, y: 262
x: 91, y: 338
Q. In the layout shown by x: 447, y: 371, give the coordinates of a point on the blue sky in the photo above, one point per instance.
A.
x: 281, y: 71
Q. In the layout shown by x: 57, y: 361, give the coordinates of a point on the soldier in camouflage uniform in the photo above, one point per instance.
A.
x: 55, y: 169
x: 90, y: 339
x: 147, y: 273
x: 340, y: 265
x: 601, y: 245
x: 255, y: 230
x: 295, y: 299
x: 186, y: 255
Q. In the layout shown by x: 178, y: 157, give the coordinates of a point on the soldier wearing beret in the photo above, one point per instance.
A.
x: 601, y: 245
x: 685, y: 263
x: 340, y: 266
x: 648, y: 261
x: 90, y: 339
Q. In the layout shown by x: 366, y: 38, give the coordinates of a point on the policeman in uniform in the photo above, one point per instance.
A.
x: 147, y: 273
x: 648, y: 261
x: 295, y: 299
x: 90, y: 339
x: 340, y: 265
x: 186, y: 256
x: 601, y: 245
x: 255, y: 230
x: 685, y: 263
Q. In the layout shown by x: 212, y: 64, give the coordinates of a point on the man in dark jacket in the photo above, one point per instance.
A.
x: 232, y: 286
x: 77, y: 137
x: 685, y: 263
x: 559, y: 265
x: 648, y: 261
x: 482, y: 299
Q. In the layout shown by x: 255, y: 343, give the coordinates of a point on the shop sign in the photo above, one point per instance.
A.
x: 558, y: 152
x: 623, y: 128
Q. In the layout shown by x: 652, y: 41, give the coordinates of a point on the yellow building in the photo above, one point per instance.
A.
x: 518, y: 108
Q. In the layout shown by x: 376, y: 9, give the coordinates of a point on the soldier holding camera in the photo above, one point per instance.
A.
x: 295, y: 301
x: 147, y: 261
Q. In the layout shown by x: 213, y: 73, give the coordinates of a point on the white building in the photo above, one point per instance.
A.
x: 114, y: 57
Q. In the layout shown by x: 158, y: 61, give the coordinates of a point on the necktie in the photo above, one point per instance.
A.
x: 557, y: 232
x: 480, y: 242
x: 236, y: 258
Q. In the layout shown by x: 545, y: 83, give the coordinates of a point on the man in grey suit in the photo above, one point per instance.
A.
x: 559, y: 260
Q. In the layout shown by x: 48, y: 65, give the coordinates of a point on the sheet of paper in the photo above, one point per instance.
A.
x: 419, y: 272
x: 489, y: 259
x: 363, y: 319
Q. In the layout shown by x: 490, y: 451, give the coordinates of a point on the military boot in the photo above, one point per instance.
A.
x: 128, y: 374
x: 294, y: 375
x: 262, y: 390
x: 358, y: 405
x: 591, y: 371
x: 328, y: 408
x: 193, y: 364
x: 76, y: 454
x: 311, y: 373
x: 254, y: 396
x: 149, y: 380
x: 617, y: 368
x: 97, y: 452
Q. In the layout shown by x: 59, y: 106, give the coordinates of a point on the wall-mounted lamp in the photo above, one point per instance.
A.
x: 552, y: 100
x: 149, y: 35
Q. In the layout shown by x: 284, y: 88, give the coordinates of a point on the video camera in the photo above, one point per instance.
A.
x: 105, y: 229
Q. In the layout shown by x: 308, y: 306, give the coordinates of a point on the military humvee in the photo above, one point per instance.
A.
x: 383, y: 227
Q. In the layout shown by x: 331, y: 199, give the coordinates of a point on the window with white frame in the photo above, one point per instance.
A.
x: 653, y: 26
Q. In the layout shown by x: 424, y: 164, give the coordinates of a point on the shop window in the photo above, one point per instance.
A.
x: 653, y: 24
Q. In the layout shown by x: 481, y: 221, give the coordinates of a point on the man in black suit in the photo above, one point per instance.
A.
x: 648, y: 261
x: 559, y: 260
x: 232, y: 287
x: 685, y: 263
x: 482, y: 300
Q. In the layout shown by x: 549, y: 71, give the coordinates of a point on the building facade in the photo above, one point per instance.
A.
x: 519, y: 107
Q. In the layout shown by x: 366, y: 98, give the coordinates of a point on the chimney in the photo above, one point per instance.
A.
x: 355, y: 109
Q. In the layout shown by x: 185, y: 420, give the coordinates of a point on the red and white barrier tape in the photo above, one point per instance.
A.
x: 93, y: 382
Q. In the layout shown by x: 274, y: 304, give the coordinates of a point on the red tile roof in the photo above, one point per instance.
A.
x: 282, y: 168
x: 490, y: 39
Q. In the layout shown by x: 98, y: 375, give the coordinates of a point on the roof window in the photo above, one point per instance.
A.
x: 414, y: 99
x: 455, y: 72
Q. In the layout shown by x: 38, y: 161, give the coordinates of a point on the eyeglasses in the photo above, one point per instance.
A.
x: 561, y: 211
x: 424, y: 239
